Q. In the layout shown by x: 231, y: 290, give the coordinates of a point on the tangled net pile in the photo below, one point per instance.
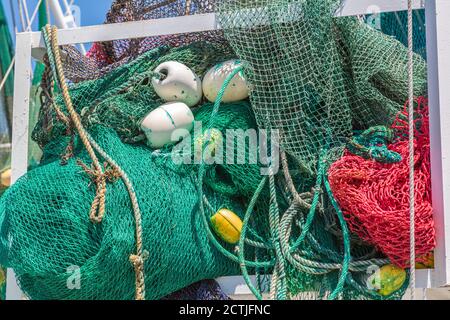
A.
x: 374, y: 196
x: 314, y: 78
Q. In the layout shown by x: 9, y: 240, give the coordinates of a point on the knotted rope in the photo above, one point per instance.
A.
x: 281, y: 227
x: 96, y: 171
x: 372, y: 144
x: 98, y: 205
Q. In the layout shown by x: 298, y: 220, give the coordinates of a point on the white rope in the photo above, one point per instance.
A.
x: 25, y: 9
x: 11, y: 65
x: 21, y: 14
x: 8, y: 71
x: 411, y: 152
x: 33, y: 16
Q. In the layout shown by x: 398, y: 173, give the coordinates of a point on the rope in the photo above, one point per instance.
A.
x: 411, y: 150
x: 274, y: 222
x: 359, y: 265
x: 372, y: 144
x: 138, y: 259
x: 290, y: 183
x: 243, y: 237
x: 345, y: 233
x: 281, y: 230
x: 202, y: 202
x: 98, y: 205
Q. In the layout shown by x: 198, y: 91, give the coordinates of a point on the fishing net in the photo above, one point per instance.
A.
x: 317, y: 79
x: 395, y: 24
x: 108, y: 55
x: 203, y: 290
x: 124, y: 96
x: 57, y: 211
x: 314, y: 78
x: 374, y: 195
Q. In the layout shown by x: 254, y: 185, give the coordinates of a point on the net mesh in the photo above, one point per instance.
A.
x: 315, y: 78
x: 109, y: 55
x: 360, y: 188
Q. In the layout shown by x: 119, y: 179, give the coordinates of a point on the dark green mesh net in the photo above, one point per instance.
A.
x: 314, y: 75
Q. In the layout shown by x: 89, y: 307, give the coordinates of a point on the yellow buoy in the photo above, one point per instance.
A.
x: 392, y: 279
x: 227, y: 225
x: 2, y: 277
x: 6, y: 178
x: 427, y: 262
x: 213, y: 139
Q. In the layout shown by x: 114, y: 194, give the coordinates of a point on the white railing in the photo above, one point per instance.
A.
x: 31, y: 44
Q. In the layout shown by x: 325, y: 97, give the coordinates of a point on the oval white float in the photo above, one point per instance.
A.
x: 180, y: 84
x: 237, y: 90
x: 160, y: 124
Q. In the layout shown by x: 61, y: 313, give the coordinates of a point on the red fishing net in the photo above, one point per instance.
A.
x: 374, y: 196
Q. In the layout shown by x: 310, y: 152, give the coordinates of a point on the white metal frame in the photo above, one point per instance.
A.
x: 31, y: 44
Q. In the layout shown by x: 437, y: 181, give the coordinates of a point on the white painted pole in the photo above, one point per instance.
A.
x: 58, y: 14
x: 64, y: 20
x: 19, y: 151
x: 438, y: 56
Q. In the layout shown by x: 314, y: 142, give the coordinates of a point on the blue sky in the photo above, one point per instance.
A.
x: 92, y: 11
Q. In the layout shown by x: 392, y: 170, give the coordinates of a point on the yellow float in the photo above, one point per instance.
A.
x: 6, y: 178
x: 227, y: 225
x: 392, y: 279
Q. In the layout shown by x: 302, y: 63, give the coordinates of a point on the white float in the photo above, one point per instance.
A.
x: 237, y: 89
x: 160, y: 124
x: 179, y: 83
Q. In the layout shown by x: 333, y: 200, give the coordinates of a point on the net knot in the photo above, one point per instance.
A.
x: 99, y: 177
x: 111, y: 174
x: 138, y: 260
x: 372, y: 144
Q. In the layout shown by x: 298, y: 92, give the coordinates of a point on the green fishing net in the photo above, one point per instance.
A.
x: 313, y: 77
x: 317, y: 79
x: 46, y: 230
x: 395, y: 24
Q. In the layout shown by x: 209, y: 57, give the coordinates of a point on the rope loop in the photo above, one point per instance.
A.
x: 98, y: 174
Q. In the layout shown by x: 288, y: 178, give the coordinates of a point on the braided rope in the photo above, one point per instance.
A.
x: 98, y: 205
x: 358, y: 265
x: 314, y: 267
x: 346, y: 234
x: 90, y: 144
x: 411, y: 151
x: 242, y: 238
x: 290, y: 182
x: 274, y: 222
x: 201, y: 196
